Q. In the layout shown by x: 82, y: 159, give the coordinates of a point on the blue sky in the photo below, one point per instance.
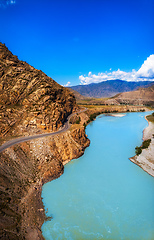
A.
x: 77, y: 41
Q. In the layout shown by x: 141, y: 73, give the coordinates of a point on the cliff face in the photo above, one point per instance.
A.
x: 29, y: 100
x: 30, y: 103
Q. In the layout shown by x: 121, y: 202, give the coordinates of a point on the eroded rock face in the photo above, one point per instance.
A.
x: 29, y: 99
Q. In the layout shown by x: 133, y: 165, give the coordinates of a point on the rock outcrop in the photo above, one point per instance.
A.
x: 30, y: 103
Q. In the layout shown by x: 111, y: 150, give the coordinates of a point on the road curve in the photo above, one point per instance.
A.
x: 24, y: 139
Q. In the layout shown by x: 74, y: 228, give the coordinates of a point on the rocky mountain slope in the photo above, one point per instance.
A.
x: 30, y: 103
x: 142, y: 96
x: 29, y: 99
x: 109, y: 88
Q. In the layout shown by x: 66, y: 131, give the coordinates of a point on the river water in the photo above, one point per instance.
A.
x: 103, y: 195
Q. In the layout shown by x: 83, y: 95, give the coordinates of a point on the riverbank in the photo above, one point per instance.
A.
x: 146, y: 159
x: 26, y: 167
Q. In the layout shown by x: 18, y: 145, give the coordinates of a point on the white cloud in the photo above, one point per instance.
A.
x: 147, y: 68
x: 146, y: 72
x: 67, y: 84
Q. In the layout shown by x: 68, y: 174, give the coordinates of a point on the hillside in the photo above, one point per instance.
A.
x: 142, y: 96
x: 30, y: 100
x: 109, y: 88
x: 31, y: 103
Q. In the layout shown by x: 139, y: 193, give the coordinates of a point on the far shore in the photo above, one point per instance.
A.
x: 146, y: 159
x: 148, y: 131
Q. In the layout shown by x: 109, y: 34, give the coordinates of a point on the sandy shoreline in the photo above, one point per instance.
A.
x: 117, y: 115
x: 146, y: 159
x: 148, y: 131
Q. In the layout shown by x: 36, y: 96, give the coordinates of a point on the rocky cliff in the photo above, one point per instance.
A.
x: 30, y: 103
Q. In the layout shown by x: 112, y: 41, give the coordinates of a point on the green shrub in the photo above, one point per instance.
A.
x: 146, y: 143
x: 138, y: 150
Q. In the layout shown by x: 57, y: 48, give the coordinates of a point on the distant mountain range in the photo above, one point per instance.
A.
x: 109, y: 88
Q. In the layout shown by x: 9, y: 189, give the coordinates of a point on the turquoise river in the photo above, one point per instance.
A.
x: 103, y: 195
